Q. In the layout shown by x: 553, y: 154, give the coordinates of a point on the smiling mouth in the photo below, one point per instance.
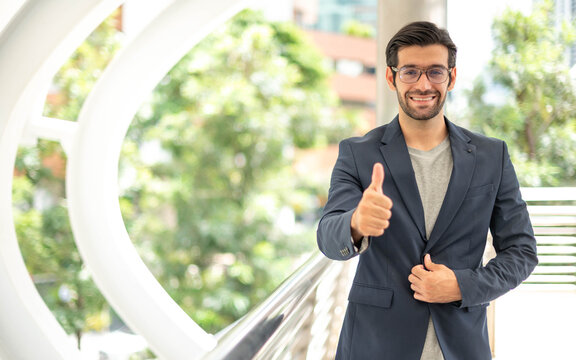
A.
x: 422, y: 99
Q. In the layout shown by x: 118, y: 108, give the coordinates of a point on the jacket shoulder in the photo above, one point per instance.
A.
x: 478, y: 138
x: 374, y: 135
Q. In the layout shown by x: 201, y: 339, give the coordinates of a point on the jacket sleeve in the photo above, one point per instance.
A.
x: 334, y: 234
x: 513, y: 240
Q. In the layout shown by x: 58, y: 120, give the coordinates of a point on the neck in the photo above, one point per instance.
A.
x: 423, y: 134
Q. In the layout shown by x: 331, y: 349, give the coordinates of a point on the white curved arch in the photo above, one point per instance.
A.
x: 93, y: 170
x: 7, y: 10
x: 33, y: 45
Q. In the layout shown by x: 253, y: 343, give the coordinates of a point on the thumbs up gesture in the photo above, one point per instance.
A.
x: 372, y: 216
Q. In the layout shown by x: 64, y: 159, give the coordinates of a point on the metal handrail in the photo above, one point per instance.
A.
x: 268, y: 328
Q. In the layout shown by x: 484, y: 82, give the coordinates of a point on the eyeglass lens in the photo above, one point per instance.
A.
x: 435, y: 74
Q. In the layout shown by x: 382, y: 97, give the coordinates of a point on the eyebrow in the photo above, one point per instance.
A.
x: 416, y: 66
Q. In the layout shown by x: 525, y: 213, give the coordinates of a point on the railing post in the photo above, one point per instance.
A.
x: 337, y: 309
x: 302, y: 343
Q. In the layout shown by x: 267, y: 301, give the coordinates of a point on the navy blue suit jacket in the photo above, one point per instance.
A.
x: 383, y: 320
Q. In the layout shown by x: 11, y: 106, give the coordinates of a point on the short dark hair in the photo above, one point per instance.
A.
x: 421, y: 33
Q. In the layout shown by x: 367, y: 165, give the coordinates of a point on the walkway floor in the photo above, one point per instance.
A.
x: 536, y: 323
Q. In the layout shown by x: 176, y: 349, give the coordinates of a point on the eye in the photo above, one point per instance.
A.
x: 436, y: 72
x: 410, y: 72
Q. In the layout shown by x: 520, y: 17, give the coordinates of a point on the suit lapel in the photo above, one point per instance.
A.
x: 400, y: 169
x: 464, y: 158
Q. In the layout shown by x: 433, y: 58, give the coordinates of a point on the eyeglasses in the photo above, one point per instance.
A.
x: 411, y: 74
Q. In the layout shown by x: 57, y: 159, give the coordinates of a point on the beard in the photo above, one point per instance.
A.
x: 421, y: 114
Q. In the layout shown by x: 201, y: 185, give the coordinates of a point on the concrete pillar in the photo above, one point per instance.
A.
x: 392, y: 15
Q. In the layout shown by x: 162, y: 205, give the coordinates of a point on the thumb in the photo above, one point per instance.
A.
x: 377, y: 177
x: 428, y: 264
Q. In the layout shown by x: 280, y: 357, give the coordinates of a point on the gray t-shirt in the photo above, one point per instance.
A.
x: 432, y: 169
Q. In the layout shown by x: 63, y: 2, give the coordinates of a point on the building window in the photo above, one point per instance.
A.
x: 349, y: 67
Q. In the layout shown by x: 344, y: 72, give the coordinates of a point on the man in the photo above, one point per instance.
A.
x: 415, y: 199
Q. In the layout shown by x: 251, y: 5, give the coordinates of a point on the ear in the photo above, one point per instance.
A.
x: 390, y: 78
x: 452, y: 79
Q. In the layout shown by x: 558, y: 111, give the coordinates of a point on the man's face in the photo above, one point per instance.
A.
x: 422, y: 100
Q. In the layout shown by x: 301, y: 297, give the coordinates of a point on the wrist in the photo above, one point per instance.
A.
x: 356, y: 235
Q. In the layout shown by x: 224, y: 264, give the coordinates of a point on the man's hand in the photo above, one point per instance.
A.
x: 372, y: 215
x: 434, y: 283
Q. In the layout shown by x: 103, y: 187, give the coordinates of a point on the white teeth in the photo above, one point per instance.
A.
x: 422, y: 99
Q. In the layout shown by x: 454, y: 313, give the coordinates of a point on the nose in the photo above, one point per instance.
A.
x: 423, y: 83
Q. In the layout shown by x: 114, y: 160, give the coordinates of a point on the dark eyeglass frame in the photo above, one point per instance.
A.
x: 421, y: 71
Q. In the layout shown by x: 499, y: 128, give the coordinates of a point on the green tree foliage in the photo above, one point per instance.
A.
x: 536, y: 112
x: 358, y: 29
x: 212, y: 214
x: 41, y: 215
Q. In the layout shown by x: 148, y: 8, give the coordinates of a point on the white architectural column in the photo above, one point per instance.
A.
x: 393, y: 15
x: 33, y: 45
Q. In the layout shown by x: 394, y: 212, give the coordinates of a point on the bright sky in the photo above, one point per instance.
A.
x: 469, y: 24
x: 470, y: 27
